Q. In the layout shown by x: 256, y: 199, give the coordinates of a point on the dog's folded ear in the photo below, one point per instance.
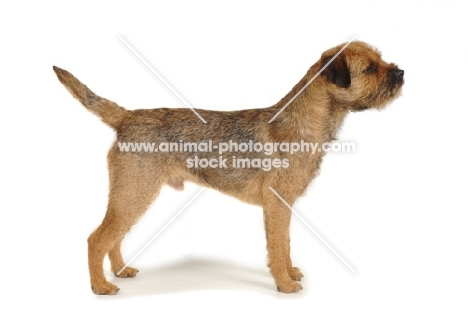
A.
x: 337, y: 72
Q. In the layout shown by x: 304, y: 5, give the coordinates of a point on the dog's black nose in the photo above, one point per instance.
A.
x: 398, y: 73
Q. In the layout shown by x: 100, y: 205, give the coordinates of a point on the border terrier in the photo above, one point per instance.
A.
x: 356, y: 80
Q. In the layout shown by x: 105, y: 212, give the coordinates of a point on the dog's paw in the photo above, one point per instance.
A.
x: 289, y: 287
x: 105, y: 288
x: 295, y: 274
x: 128, y: 272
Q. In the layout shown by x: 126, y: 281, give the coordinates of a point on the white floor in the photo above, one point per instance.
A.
x: 395, y: 209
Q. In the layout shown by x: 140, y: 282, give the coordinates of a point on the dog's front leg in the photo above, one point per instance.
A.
x: 277, y: 218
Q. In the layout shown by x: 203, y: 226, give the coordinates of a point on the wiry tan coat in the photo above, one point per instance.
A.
x: 356, y: 80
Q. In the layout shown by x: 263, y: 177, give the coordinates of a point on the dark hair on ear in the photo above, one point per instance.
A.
x: 337, y: 72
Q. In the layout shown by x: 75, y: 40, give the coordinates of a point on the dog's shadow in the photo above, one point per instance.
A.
x: 196, y: 275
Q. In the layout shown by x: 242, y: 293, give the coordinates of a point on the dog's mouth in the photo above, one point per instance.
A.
x: 395, y: 89
x: 360, y: 108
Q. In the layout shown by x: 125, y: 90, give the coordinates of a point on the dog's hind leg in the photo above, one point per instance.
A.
x: 118, y: 264
x: 133, y: 188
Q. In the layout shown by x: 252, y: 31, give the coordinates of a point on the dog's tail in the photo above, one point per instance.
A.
x: 110, y: 113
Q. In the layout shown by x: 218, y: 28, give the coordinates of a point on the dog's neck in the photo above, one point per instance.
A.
x: 336, y: 121
x: 312, y: 116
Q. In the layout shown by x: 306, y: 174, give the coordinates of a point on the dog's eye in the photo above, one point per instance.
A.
x: 371, y: 69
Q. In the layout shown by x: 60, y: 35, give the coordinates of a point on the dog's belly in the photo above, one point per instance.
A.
x: 243, y: 184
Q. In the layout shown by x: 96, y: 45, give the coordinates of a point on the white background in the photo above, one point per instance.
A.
x: 396, y: 209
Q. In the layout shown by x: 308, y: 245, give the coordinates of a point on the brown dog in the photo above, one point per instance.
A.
x: 356, y: 80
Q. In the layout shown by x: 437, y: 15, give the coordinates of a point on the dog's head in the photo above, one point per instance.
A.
x: 358, y: 79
